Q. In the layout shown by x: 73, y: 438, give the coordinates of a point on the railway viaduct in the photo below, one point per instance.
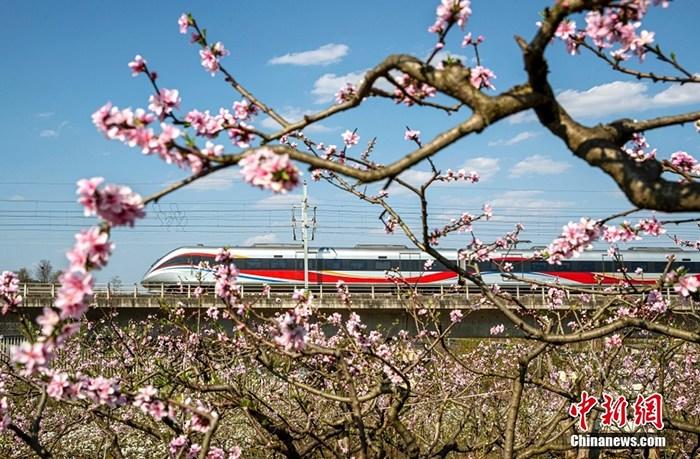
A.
x: 378, y: 306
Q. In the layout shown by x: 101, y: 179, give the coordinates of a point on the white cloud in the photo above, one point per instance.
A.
x: 527, y: 199
x: 294, y: 114
x: 517, y: 138
x: 617, y: 97
x: 329, y: 83
x: 48, y: 133
x: 604, y: 99
x: 220, y: 180
x: 53, y: 132
x: 17, y: 197
x: 522, y: 117
x: 45, y: 114
x: 623, y: 96
x: 267, y: 238
x: 326, y: 54
x: 538, y: 165
x: 677, y: 94
x: 485, y: 166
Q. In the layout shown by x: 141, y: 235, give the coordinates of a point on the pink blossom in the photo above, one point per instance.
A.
x: 244, y: 110
x: 450, y: 11
x: 412, y: 90
x: 75, y: 285
x: 32, y: 356
x: 184, y: 23
x: 684, y: 162
x: 656, y: 302
x: 177, y: 444
x: 164, y: 102
x: 346, y: 93
x: 687, y: 285
x: 138, y: 65
x: 651, y: 227
x: 206, y: 124
x: 117, y: 205
x: 234, y: 453
x: 58, y: 384
x: 613, y: 341
x: 5, y: 414
x: 212, y: 150
x: 575, y: 238
x: 292, y: 332
x: 48, y: 320
x: 480, y: 77
x: 488, y: 211
x: 456, y: 316
x: 209, y: 61
x: 9, y: 288
x: 566, y: 29
x: 241, y: 135
x: 555, y: 297
x: 497, y: 329
x: 268, y: 170
x: 428, y: 265
x: 103, y: 391
x: 92, y: 246
x: 350, y: 138
x: 412, y: 135
x: 210, y: 57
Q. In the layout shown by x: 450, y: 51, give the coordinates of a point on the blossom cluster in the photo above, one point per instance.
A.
x: 266, y: 169
x: 637, y: 147
x: 346, y: 93
x: 226, y: 277
x: 292, y: 330
x: 685, y: 162
x: 412, y: 90
x: 117, y: 205
x: 449, y: 12
x: 9, y: 291
x: 480, y: 77
x: 462, y: 174
x: 614, y: 25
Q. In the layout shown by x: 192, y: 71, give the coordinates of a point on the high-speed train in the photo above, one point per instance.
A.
x: 368, y: 264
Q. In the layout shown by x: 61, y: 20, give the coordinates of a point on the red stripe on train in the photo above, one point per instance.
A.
x: 316, y: 277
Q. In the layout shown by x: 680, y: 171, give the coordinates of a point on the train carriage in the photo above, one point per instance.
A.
x: 367, y: 264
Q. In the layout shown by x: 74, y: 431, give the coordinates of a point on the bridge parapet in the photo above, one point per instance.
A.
x: 325, y: 297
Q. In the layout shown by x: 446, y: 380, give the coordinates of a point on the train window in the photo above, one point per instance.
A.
x: 278, y: 256
x: 382, y: 265
x: 358, y: 265
x: 382, y: 257
x: 333, y: 265
x: 255, y: 263
x: 280, y: 263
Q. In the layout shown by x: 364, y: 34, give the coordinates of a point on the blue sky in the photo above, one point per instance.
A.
x: 62, y: 61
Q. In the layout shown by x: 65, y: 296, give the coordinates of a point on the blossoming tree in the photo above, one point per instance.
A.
x: 307, y: 384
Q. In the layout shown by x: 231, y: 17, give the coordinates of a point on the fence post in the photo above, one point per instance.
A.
x: 189, y: 290
x: 108, y: 289
x: 517, y: 291
x: 136, y: 292
x: 25, y: 290
x: 320, y: 291
x: 162, y: 290
x: 53, y: 290
x: 467, y: 288
x: 372, y: 291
